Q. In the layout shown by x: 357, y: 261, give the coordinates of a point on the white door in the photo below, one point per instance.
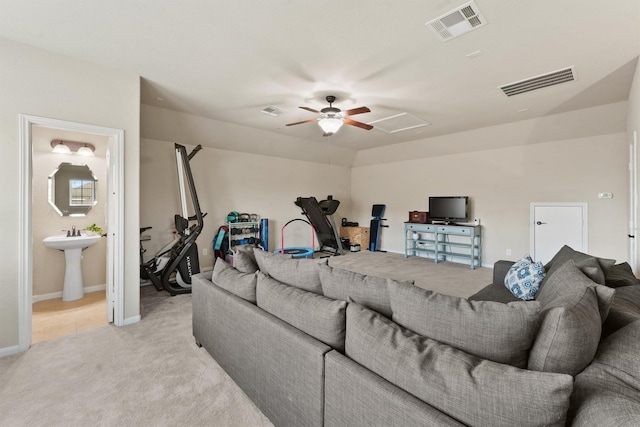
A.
x: 554, y: 225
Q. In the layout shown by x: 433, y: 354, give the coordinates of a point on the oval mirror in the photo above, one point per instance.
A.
x: 73, y: 189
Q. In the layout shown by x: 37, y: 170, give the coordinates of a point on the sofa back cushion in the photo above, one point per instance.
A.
x: 302, y: 273
x: 369, y: 291
x: 471, y: 390
x: 245, y: 260
x: 491, y: 330
x: 231, y: 279
x: 571, y: 325
x: 316, y: 315
x: 607, y: 392
x: 621, y: 275
x: 566, y: 253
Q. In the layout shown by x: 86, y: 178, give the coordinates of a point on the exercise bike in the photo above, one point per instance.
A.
x: 172, y: 267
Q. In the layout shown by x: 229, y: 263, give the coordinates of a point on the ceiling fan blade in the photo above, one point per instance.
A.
x: 304, y: 121
x: 311, y: 109
x: 358, y: 124
x: 355, y: 111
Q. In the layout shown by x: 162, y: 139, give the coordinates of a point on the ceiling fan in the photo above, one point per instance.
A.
x: 332, y: 118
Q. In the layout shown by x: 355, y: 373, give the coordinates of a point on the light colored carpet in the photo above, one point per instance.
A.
x: 147, y: 374
x: 445, y: 277
x: 152, y: 373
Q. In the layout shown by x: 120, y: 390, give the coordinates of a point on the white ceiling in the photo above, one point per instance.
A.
x: 227, y: 60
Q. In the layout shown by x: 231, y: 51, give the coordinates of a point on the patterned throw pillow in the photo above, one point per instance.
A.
x: 524, y: 277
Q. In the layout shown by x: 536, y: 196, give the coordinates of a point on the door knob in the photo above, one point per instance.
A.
x: 540, y: 222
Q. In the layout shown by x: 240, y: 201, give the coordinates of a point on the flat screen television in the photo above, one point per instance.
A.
x: 449, y: 209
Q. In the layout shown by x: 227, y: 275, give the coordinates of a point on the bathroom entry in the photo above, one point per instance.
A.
x: 112, y: 263
x: 56, y: 210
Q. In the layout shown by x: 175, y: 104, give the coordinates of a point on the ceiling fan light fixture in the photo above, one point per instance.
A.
x: 330, y: 125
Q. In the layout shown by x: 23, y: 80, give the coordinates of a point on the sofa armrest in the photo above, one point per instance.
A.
x: 500, y: 269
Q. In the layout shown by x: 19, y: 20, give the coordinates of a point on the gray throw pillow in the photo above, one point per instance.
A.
x: 369, y: 291
x: 474, y: 391
x: 571, y: 323
x: 491, y: 330
x: 302, y: 273
x: 621, y: 275
x: 230, y: 279
x: 316, y: 315
x: 244, y: 260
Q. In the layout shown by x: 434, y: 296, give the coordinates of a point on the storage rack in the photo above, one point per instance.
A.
x: 433, y: 240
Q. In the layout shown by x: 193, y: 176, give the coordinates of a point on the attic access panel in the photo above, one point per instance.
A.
x: 399, y: 123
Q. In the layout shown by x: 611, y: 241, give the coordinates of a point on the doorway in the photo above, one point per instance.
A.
x: 114, y: 223
x: 554, y: 225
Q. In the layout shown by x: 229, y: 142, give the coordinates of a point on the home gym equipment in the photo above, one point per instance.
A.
x: 171, y: 269
x: 264, y: 234
x: 297, y: 252
x: 377, y: 212
x: 320, y: 215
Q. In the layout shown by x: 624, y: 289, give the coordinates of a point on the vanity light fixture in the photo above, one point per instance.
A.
x: 86, y: 150
x: 60, y: 147
x: 69, y: 147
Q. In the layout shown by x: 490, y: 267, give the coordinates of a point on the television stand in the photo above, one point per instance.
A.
x: 444, y: 242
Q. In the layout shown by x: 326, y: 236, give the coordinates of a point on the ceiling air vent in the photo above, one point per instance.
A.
x: 272, y: 111
x: 539, y: 82
x: 457, y: 22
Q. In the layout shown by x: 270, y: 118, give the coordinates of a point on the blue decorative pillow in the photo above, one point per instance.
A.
x: 524, y: 277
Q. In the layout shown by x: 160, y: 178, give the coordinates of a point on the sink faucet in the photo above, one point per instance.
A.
x: 73, y: 230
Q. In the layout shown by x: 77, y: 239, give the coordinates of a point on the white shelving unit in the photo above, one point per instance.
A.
x: 444, y: 242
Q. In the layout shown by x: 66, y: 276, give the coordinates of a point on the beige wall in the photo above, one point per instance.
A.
x: 40, y: 83
x: 48, y: 271
x: 501, y: 184
x: 231, y: 181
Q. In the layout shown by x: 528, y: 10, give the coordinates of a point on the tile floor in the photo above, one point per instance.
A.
x: 55, y: 318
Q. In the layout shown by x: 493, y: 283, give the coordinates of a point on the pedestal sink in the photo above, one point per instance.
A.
x: 72, y: 246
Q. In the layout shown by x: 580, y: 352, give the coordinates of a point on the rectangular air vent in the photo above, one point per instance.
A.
x: 272, y: 111
x: 457, y: 22
x: 539, y: 82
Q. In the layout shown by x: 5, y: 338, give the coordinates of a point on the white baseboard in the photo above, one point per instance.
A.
x: 131, y: 320
x: 8, y: 351
x: 54, y: 295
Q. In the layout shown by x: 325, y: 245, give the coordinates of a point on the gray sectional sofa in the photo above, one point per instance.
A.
x: 313, y: 345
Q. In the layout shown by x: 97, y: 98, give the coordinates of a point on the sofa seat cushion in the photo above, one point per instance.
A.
x: 494, y: 292
x: 299, y: 272
x: 369, y: 291
x: 491, y: 330
x: 231, y: 279
x: 571, y: 323
x: 471, y: 390
x: 316, y: 315
x: 607, y: 392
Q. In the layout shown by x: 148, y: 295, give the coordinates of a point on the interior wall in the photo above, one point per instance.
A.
x: 41, y: 83
x: 48, y: 271
x: 501, y: 184
x: 233, y: 181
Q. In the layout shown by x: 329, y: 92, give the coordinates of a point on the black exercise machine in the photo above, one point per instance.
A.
x: 171, y: 269
x: 320, y: 215
x: 377, y: 212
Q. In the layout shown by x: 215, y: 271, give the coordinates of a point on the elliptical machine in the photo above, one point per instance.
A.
x: 171, y: 269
